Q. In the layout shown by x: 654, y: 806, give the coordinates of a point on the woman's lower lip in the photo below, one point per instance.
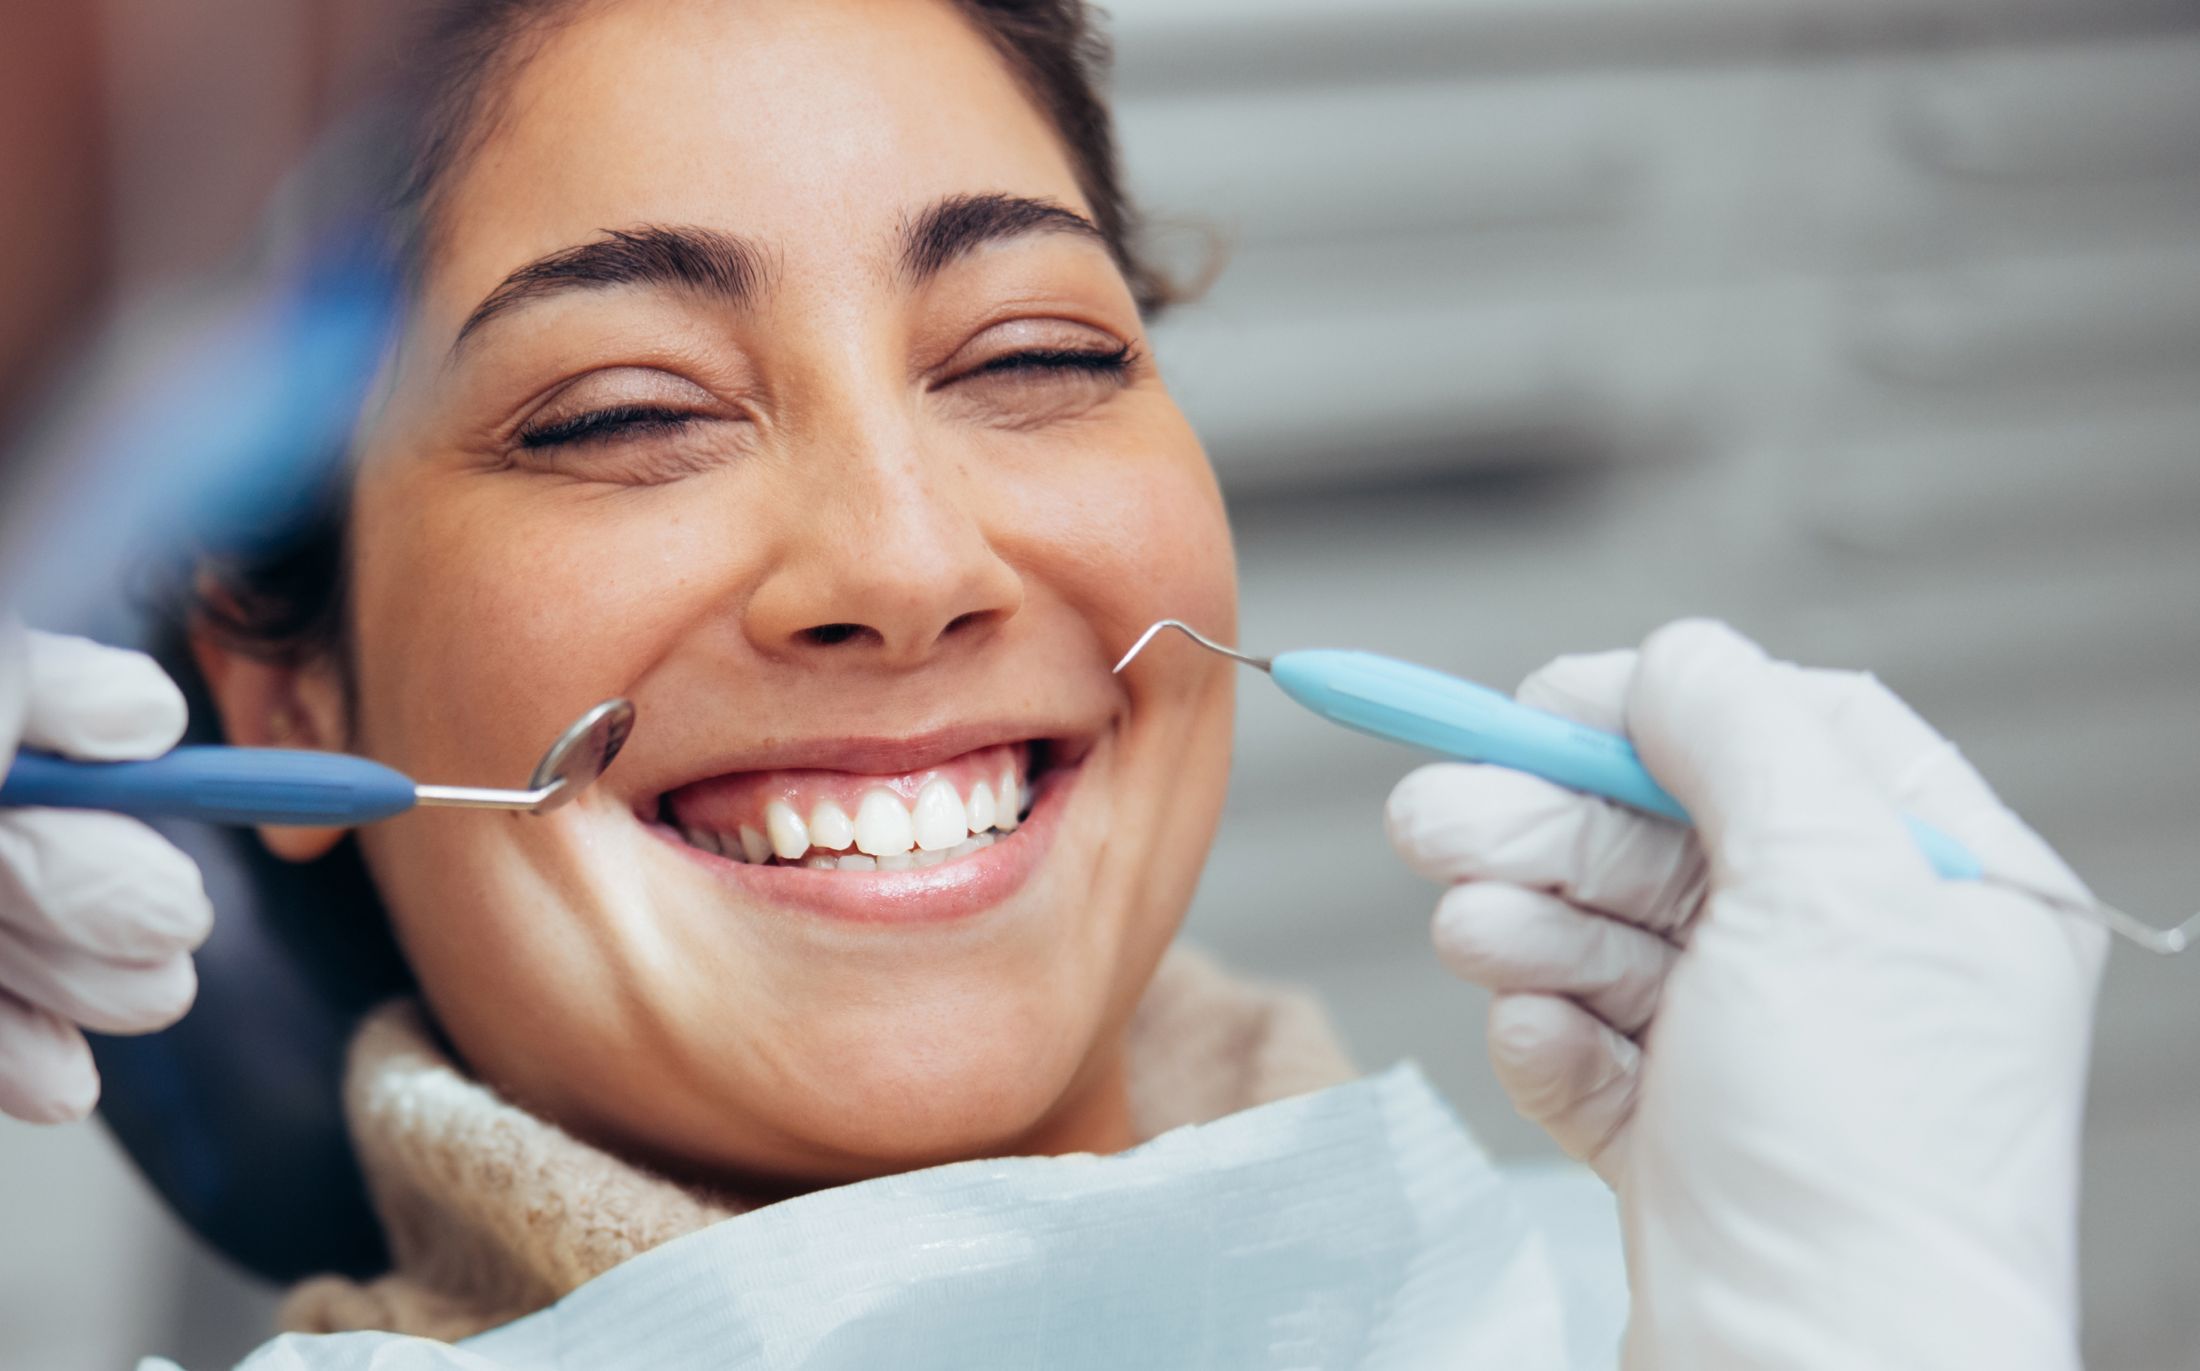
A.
x: 935, y: 894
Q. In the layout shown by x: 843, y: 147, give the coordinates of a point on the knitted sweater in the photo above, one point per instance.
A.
x: 492, y: 1213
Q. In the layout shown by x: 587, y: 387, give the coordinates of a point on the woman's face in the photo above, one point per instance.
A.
x: 768, y: 373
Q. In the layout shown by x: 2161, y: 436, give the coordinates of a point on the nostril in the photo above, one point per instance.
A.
x: 828, y: 635
x: 963, y: 621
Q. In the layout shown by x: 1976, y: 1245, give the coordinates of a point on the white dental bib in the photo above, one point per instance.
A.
x: 1354, y: 1227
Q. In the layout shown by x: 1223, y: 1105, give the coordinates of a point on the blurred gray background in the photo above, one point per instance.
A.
x: 1871, y: 326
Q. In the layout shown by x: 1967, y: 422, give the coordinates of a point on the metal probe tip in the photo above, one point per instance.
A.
x: 2164, y: 942
x: 1196, y: 636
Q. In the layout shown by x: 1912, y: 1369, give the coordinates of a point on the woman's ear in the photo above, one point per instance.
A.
x: 270, y: 703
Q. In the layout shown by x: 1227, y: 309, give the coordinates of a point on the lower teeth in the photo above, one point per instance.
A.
x: 900, y: 861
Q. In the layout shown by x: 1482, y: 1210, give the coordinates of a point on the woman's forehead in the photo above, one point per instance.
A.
x: 816, y: 128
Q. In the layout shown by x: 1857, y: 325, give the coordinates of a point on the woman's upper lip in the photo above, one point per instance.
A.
x: 875, y: 755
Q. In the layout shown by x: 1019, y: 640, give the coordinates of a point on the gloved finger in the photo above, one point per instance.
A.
x: 1455, y: 821
x: 98, y: 703
x: 1588, y: 687
x: 103, y: 995
x: 1508, y: 938
x: 1924, y: 774
x: 46, y: 1070
x: 14, y: 682
x: 1768, y: 781
x: 1567, y: 1071
x: 102, y: 883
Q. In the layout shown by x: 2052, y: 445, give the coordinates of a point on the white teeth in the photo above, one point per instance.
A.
x: 883, y: 827
x: 830, y: 827
x: 939, y: 826
x: 939, y: 820
x: 981, y: 810
x: 790, y: 836
x: 755, y: 846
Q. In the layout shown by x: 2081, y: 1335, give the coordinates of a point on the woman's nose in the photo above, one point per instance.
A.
x: 889, y: 561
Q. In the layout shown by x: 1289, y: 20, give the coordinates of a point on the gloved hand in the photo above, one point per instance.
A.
x: 1838, y: 1096
x: 98, y: 914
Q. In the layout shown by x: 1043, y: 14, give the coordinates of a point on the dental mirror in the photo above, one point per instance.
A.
x: 250, y: 786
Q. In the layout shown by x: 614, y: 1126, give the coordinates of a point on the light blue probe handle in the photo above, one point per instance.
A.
x: 220, y: 785
x: 1443, y: 714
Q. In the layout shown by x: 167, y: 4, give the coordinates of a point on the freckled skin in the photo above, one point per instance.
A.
x: 579, y: 963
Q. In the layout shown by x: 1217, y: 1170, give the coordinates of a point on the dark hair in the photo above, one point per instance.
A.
x: 284, y: 598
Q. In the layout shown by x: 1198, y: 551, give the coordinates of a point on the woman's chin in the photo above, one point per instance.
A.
x: 889, y: 1096
x: 878, y: 1089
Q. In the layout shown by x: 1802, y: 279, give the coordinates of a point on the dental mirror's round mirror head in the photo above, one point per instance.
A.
x: 582, y: 753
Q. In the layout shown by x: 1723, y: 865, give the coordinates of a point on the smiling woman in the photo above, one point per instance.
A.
x: 783, y: 368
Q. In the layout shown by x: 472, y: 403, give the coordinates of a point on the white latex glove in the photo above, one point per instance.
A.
x: 98, y: 913
x: 1838, y: 1096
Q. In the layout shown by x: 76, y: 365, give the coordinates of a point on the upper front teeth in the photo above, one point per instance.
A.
x: 940, y: 820
x: 885, y: 831
x: 831, y: 828
x: 883, y: 825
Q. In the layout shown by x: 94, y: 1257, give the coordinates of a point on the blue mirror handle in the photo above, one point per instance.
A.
x: 1454, y: 718
x: 240, y: 786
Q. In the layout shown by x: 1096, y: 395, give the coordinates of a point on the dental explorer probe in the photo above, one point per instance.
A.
x: 1427, y: 709
x: 249, y: 786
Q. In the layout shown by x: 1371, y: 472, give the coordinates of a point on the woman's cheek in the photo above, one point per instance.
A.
x: 547, y: 599
x: 1133, y: 530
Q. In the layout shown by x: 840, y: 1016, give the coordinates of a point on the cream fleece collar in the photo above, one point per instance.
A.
x: 492, y: 1213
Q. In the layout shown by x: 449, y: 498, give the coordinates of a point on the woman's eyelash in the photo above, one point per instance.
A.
x: 618, y: 420
x: 1114, y: 361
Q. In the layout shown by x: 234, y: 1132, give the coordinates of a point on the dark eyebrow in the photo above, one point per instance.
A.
x: 683, y: 257
x: 961, y: 224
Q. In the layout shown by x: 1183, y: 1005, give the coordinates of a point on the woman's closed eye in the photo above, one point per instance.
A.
x: 603, y: 425
x: 629, y: 425
x: 1032, y: 386
x: 1102, y: 362
x: 634, y: 443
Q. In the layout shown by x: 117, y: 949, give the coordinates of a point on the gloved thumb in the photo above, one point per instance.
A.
x: 1587, y: 687
x: 1767, y: 780
x: 1923, y: 774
